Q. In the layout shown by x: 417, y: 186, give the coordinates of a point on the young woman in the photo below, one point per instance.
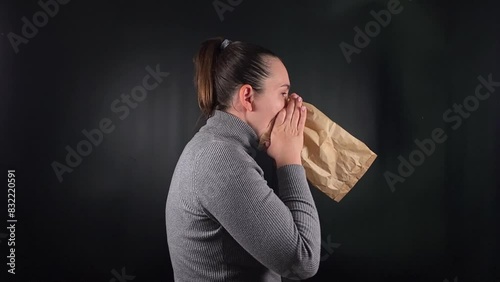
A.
x: 223, y: 222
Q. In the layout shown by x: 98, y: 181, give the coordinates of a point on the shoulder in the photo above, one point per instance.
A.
x: 222, y: 154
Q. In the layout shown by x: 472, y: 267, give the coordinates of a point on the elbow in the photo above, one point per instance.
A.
x: 306, y: 259
x: 310, y: 268
x: 304, y: 269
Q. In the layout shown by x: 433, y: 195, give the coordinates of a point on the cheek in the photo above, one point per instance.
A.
x: 271, y: 108
x: 276, y: 107
x: 279, y: 105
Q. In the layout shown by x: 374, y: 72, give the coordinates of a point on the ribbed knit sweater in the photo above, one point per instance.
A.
x: 223, y: 221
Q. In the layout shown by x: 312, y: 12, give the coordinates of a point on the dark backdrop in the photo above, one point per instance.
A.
x: 104, y: 220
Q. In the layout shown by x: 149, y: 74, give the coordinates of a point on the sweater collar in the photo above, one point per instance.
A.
x: 234, y: 128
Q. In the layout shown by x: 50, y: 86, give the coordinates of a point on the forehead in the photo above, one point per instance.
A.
x: 278, y: 73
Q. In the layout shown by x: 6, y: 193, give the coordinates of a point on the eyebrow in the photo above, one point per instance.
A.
x: 287, y: 85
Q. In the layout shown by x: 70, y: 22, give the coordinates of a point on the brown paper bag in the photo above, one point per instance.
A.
x: 333, y: 159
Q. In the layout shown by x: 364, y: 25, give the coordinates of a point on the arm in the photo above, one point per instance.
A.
x: 282, y: 232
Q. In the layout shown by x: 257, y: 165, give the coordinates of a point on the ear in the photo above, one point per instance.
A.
x: 246, y: 95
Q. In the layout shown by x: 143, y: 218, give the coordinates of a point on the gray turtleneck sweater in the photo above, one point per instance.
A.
x: 223, y: 221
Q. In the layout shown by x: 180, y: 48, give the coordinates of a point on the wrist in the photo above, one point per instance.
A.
x: 290, y: 161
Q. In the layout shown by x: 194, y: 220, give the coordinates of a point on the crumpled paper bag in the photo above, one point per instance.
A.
x: 333, y: 159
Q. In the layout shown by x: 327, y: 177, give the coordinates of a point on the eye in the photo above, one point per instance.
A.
x: 284, y: 93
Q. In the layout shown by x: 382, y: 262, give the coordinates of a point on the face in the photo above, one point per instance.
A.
x: 260, y: 109
x: 271, y: 99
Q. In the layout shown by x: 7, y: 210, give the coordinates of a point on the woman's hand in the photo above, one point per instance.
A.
x: 287, y: 135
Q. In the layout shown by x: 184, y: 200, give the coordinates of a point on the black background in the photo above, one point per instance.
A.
x: 441, y: 223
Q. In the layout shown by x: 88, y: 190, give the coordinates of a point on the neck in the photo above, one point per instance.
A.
x: 242, y: 115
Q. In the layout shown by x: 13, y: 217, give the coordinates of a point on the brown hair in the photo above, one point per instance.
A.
x: 219, y: 71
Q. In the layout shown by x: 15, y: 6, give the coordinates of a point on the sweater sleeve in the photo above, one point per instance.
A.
x: 281, y: 231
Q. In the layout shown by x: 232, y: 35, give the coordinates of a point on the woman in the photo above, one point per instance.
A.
x: 224, y: 223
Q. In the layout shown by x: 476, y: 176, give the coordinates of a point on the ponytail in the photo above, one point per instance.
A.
x: 204, y: 62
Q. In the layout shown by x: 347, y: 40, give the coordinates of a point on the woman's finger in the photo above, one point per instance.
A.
x: 290, y: 107
x: 280, y: 117
x: 303, y: 117
x: 296, y: 113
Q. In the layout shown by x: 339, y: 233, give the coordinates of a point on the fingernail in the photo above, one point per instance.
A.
x: 300, y: 99
x: 303, y: 108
